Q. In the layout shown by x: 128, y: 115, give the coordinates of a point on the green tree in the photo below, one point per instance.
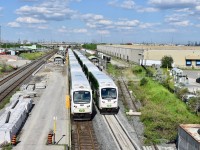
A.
x: 90, y: 46
x: 167, y: 61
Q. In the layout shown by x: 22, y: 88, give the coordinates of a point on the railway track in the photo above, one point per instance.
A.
x: 83, y: 136
x: 10, y: 82
x: 119, y: 133
x: 10, y: 76
x: 127, y: 98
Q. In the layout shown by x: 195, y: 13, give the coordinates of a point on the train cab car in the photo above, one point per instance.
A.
x: 81, y: 97
x: 80, y: 91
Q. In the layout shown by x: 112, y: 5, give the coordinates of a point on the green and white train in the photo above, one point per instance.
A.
x: 105, y: 91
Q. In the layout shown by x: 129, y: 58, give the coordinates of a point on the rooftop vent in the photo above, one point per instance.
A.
x: 198, y: 131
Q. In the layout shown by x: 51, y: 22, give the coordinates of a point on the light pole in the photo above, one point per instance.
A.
x: 0, y: 36
x: 141, y: 60
x: 54, y: 129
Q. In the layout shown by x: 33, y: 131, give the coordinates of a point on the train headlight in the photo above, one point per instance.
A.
x: 103, y: 101
x: 75, y: 106
x: 88, y: 106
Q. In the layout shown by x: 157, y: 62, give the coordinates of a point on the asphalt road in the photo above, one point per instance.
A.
x: 40, y: 122
x: 192, y: 85
x: 192, y: 74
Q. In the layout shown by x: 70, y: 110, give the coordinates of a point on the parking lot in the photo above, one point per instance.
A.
x: 192, y: 85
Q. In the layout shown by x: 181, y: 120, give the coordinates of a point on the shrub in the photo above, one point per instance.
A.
x: 143, y: 81
x: 137, y: 69
x: 181, y: 91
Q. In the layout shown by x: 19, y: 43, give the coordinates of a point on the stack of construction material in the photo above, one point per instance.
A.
x: 13, y: 117
x: 41, y: 85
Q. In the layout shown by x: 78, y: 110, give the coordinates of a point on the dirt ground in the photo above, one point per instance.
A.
x: 14, y: 61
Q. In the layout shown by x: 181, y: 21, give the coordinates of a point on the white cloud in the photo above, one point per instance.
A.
x: 183, y: 10
x: 198, y: 25
x: 64, y: 29
x: 77, y: 0
x: 91, y: 25
x: 178, y: 20
x: 124, y: 28
x: 146, y: 25
x: 103, y: 32
x: 13, y: 24
x: 29, y: 20
x: 170, y: 4
x: 96, y: 21
x: 170, y: 30
x: 29, y: 0
x: 184, y: 23
x: 147, y: 9
x: 43, y: 27
x: 197, y: 8
x: 91, y: 17
x: 129, y: 23
x: 128, y: 4
x: 79, y: 30
x: 113, y: 3
x: 105, y: 22
x: 48, y: 10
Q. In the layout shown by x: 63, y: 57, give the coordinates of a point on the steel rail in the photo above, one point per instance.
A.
x: 83, y: 138
x: 14, y: 79
x: 117, y: 139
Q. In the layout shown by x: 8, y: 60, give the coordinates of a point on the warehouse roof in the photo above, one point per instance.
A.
x: 156, y: 47
x: 193, y: 57
x: 192, y: 130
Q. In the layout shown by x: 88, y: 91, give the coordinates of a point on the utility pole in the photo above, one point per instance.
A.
x: 0, y: 35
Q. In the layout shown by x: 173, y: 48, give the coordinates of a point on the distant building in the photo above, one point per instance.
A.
x: 183, y: 56
x: 12, y: 52
x: 189, y: 137
x: 61, y: 48
x: 32, y: 47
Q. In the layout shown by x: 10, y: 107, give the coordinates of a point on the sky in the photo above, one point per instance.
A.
x: 107, y: 21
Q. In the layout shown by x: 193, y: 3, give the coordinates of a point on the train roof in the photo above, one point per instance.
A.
x: 75, y: 67
x: 79, y: 81
x: 103, y: 79
x: 78, y: 78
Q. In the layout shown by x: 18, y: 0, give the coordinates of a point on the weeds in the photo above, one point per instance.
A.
x: 32, y: 56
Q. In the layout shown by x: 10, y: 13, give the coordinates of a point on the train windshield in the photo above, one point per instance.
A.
x: 108, y: 93
x: 82, y: 97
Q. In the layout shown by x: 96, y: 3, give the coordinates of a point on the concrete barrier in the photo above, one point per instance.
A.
x: 18, y: 111
x: 132, y: 113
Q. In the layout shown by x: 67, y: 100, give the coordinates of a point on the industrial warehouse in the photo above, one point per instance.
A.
x: 183, y: 56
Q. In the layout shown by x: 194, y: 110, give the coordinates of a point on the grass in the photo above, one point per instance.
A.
x: 7, y: 147
x: 32, y: 56
x: 113, y: 70
x: 5, y: 68
x: 162, y: 111
x: 4, y: 102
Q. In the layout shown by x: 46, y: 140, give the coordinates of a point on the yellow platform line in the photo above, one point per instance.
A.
x: 67, y: 102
